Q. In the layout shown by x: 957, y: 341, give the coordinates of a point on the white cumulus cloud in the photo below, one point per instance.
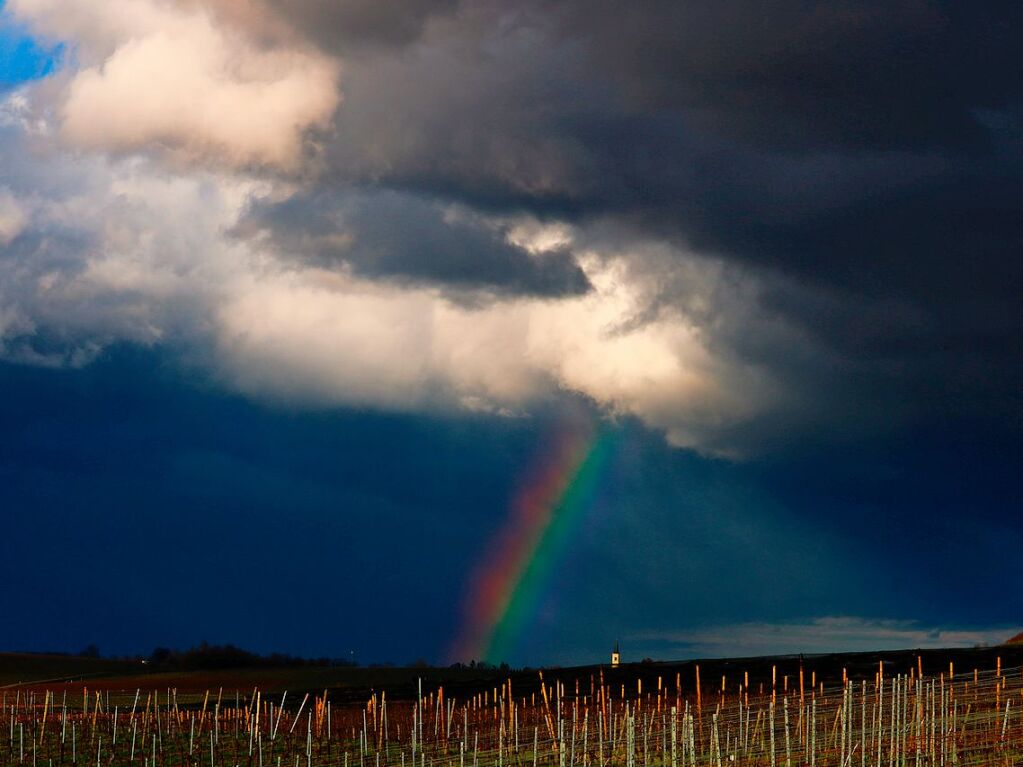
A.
x: 817, y: 635
x: 159, y: 77
x: 331, y: 338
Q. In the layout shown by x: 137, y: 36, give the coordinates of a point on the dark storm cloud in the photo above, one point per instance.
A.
x: 537, y: 100
x: 867, y: 155
x: 804, y: 75
x: 340, y: 24
x: 772, y: 134
x: 393, y: 235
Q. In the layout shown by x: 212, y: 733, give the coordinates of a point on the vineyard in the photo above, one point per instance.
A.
x: 911, y: 718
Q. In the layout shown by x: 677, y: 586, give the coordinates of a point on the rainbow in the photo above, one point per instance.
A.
x: 508, y: 583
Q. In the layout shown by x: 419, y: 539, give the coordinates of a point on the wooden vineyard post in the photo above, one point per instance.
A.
x: 788, y: 745
x: 699, y: 701
x: 801, y: 690
x: 674, y: 736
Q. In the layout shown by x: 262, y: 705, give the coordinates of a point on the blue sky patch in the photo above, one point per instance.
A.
x: 23, y: 58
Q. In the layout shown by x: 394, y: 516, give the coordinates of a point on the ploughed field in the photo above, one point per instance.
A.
x: 956, y: 707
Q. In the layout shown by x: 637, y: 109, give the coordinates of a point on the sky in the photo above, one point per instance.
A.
x: 454, y: 330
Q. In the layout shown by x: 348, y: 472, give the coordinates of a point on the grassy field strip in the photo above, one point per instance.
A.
x: 887, y: 721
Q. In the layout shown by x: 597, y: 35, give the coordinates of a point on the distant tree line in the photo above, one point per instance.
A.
x: 208, y: 656
x: 479, y: 665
